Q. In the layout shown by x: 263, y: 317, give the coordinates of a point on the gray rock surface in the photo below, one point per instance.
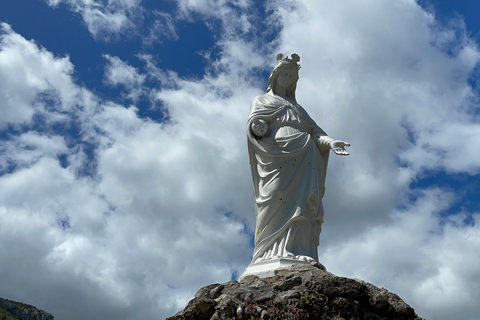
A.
x: 16, y: 310
x: 297, y: 292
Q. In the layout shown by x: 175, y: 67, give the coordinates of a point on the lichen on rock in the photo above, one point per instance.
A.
x: 296, y: 292
x: 20, y: 311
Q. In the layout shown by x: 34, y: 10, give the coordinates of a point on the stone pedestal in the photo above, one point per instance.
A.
x: 265, y: 269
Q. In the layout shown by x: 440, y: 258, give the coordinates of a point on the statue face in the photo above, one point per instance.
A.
x: 286, y: 77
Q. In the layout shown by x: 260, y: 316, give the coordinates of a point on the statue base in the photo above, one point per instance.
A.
x: 266, y: 268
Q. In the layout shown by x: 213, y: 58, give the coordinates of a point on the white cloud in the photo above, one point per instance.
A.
x: 132, y: 231
x: 374, y: 77
x: 162, y: 27
x: 29, y: 76
x: 105, y: 18
x: 233, y: 15
x: 28, y: 148
x: 118, y: 72
x: 427, y: 262
x: 114, y: 19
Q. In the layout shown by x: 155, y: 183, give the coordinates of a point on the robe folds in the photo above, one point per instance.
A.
x: 288, y: 166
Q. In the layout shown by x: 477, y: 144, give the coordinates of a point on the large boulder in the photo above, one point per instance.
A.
x: 296, y: 292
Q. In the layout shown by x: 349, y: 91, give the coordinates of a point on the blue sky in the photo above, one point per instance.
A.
x: 124, y: 177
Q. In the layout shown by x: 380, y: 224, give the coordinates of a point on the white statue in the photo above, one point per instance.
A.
x: 288, y: 159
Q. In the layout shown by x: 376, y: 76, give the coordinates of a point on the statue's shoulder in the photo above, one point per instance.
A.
x: 261, y: 99
x: 258, y: 102
x: 264, y: 100
x: 265, y: 105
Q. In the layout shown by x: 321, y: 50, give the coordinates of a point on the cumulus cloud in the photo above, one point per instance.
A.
x: 234, y: 16
x: 110, y: 19
x: 419, y: 256
x: 134, y: 229
x: 105, y: 19
x: 29, y: 76
x: 401, y: 96
x: 120, y: 73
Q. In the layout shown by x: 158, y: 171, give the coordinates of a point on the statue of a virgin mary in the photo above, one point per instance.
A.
x: 288, y: 159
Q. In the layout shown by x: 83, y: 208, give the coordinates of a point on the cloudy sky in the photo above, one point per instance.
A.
x: 124, y: 177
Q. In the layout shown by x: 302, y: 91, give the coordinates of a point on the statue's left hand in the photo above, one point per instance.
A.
x: 259, y: 127
x: 338, y: 147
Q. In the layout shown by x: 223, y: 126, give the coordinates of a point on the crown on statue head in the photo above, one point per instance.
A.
x: 295, y: 58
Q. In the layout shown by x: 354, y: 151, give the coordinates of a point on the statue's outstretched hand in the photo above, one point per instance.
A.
x: 338, y: 147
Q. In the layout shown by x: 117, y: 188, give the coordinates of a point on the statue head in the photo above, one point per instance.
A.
x: 292, y: 66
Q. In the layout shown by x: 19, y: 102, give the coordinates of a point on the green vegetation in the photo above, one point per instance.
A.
x: 5, y: 315
x: 13, y: 310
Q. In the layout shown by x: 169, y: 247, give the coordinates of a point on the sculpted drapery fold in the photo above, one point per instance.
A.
x: 288, y: 167
x: 288, y: 159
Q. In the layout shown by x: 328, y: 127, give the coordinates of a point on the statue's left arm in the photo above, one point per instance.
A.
x: 323, y: 141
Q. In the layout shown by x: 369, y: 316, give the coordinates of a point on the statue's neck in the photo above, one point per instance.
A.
x: 283, y: 96
x: 280, y: 91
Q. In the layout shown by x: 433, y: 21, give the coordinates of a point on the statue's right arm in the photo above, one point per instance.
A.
x: 324, y: 142
x: 259, y: 127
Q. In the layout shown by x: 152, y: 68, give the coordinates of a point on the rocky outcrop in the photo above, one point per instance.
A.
x: 297, y: 292
x: 19, y: 311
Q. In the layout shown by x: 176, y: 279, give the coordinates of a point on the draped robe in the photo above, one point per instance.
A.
x: 288, y: 166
